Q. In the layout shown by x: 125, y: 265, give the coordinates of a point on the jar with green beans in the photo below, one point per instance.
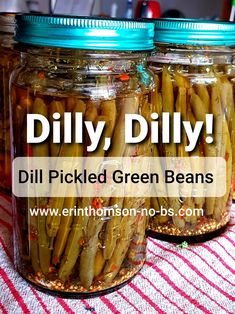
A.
x: 94, y: 67
x: 192, y: 69
x: 8, y: 61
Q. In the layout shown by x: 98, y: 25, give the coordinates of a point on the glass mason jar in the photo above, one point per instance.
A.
x: 9, y: 60
x: 94, y: 67
x: 192, y: 67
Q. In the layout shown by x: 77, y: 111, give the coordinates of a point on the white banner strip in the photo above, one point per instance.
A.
x: 119, y: 177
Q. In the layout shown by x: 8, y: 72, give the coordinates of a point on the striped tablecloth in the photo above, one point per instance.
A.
x: 199, y: 279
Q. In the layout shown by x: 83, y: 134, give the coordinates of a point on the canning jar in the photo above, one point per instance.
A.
x: 95, y: 69
x: 192, y: 68
x: 9, y: 60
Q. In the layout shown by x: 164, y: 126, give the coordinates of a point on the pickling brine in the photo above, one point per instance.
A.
x: 101, y: 251
x: 79, y: 254
x: 9, y: 60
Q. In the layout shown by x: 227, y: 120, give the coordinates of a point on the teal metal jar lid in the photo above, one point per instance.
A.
x: 84, y: 32
x: 194, y: 32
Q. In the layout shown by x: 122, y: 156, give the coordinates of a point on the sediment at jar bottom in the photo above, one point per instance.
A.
x: 177, y: 92
x: 79, y: 253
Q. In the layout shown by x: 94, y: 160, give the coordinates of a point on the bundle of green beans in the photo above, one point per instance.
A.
x: 9, y: 60
x: 195, y: 95
x: 91, y: 253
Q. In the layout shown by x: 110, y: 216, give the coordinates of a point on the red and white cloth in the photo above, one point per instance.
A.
x: 199, y: 279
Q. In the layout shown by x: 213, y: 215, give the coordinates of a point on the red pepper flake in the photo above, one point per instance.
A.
x: 29, y: 150
x: 182, y: 212
x: 41, y: 75
x: 97, y: 203
x: 135, y: 152
x: 52, y: 269
x: 33, y: 234
x: 124, y: 77
x: 81, y: 242
x: 56, y: 261
x: 226, y: 157
x: 200, y: 223
x: 114, y: 267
